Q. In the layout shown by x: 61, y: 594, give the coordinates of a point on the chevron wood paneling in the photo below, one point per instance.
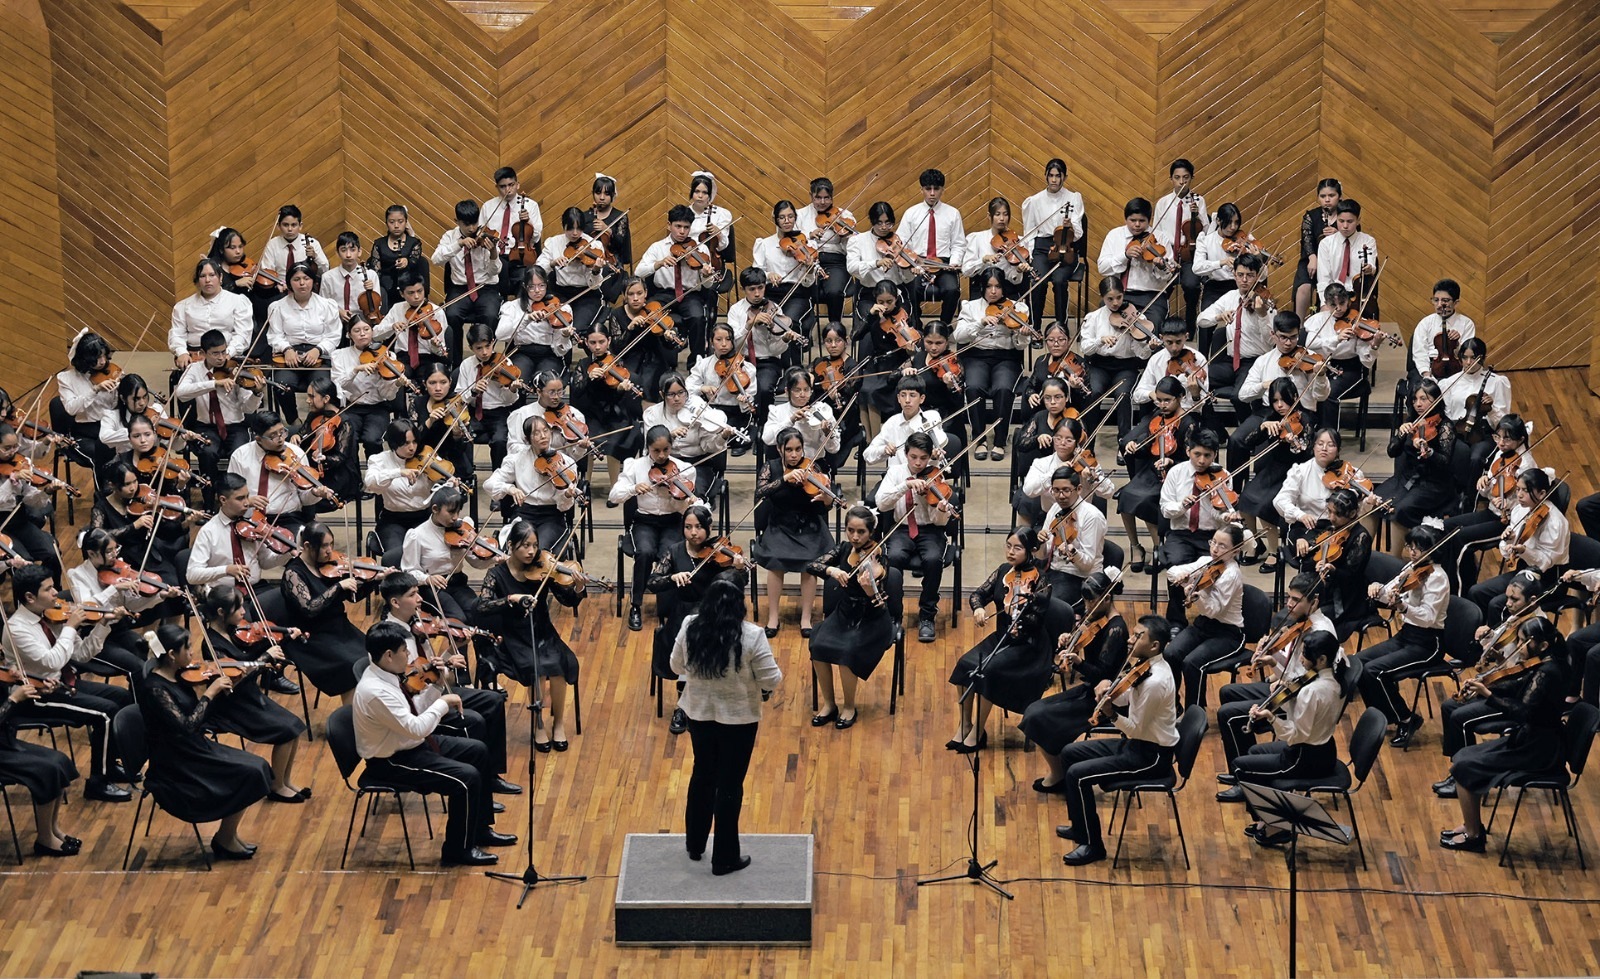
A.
x: 825, y: 18
x: 111, y: 146
x: 418, y: 92
x: 1250, y: 134
x: 244, y: 143
x: 30, y: 208
x: 1546, y: 190
x: 895, y: 109
x: 1499, y: 20
x: 162, y: 14
x: 1100, y: 123
x: 1157, y: 18
x: 1416, y: 152
x: 560, y: 126
x: 750, y: 113
x: 498, y: 16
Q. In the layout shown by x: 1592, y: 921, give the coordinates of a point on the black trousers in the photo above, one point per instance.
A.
x: 1204, y: 645
x: 484, y: 309
x: 32, y: 542
x: 1233, y: 717
x: 716, y: 787
x: 213, y: 459
x: 482, y: 718
x: 830, y: 291
x: 945, y: 289
x: 1410, y: 646
x: 991, y: 375
x: 1090, y: 763
x: 91, y: 705
x: 1060, y: 282
x: 925, y: 554
x: 456, y: 767
x: 652, y: 534
x: 1460, y: 720
x: 689, y: 316
x: 1588, y: 510
x: 297, y: 380
x: 1584, y: 647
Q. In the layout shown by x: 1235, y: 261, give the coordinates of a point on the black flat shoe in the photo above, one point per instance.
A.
x: 543, y: 747
x: 1137, y: 567
x: 1278, y: 838
x: 560, y: 745
x: 502, y: 787
x: 71, y: 844
x: 635, y: 619
x: 1060, y: 788
x: 696, y: 856
x: 731, y: 868
x: 1465, y: 843
x: 288, y: 800
x: 1255, y: 556
x: 1446, y: 788
x: 40, y: 850
x: 771, y: 631
x: 497, y: 807
x: 805, y: 632
x: 473, y: 857
x: 821, y: 720
x: 223, y: 853
x: 844, y: 722
x: 1234, y: 794
x: 1269, y: 566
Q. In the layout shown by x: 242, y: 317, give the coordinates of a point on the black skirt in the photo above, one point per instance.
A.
x: 1264, y: 483
x: 1142, y: 495
x: 1015, y: 677
x: 1059, y: 719
x: 329, y: 656
x: 1487, y: 764
x: 44, y: 772
x: 855, y: 635
x: 793, y: 539
x: 1415, y: 498
x: 249, y: 713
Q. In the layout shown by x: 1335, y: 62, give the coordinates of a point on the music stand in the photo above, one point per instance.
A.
x: 1297, y: 815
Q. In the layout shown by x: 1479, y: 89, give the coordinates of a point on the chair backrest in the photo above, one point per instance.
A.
x: 1579, y: 735
x: 1460, y: 622
x: 1191, y: 731
x: 272, y: 604
x: 1257, y: 608
x: 1382, y: 567
x: 1365, y: 742
x: 1352, y: 679
x: 1112, y: 555
x: 342, y: 741
x: 59, y: 419
x: 127, y: 733
x: 1583, y: 553
x: 1561, y: 496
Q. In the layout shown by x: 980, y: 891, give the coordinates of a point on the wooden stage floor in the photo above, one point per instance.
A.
x: 887, y: 804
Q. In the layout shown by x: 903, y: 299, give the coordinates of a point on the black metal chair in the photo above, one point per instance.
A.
x: 1257, y: 610
x: 127, y: 733
x: 1576, y: 739
x: 5, y: 793
x: 1365, y: 743
x: 1460, y: 622
x: 1381, y: 569
x: 1191, y: 729
x: 342, y: 742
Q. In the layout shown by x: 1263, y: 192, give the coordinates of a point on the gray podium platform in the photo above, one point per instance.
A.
x: 664, y: 898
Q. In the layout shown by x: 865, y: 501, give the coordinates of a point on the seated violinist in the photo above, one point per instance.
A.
x: 758, y: 324
x: 1537, y: 538
x: 679, y: 581
x: 997, y: 248
x: 793, y: 500
x: 943, y: 376
x: 222, y: 398
x: 906, y: 496
x: 1096, y: 649
x: 1331, y: 332
x: 486, y: 380
x: 819, y: 434
x: 330, y: 444
x: 539, y: 484
x: 991, y: 358
x: 1117, y: 339
x: 1290, y: 359
x: 1176, y: 358
x: 227, y: 552
x: 676, y: 276
x: 888, y: 446
x: 933, y: 230
x: 303, y: 331
x: 369, y: 380
x: 103, y: 580
x: 1033, y: 498
x: 20, y: 499
x: 468, y: 253
x: 662, y: 487
x: 1338, y: 549
x: 536, y: 327
x: 413, y: 329
x: 211, y: 308
x: 435, y: 550
x: 888, y: 340
x: 727, y: 381
x: 130, y: 513
x: 699, y: 432
x: 261, y: 463
x: 1073, y: 534
x: 1151, y: 448
x: 605, y: 391
x: 1195, y: 501
x: 569, y: 429
x: 856, y: 629
x: 578, y: 262
x: 1246, y: 333
x: 1421, y: 592
x: 1213, y: 586
x: 443, y: 421
x: 404, y: 488
x: 316, y: 586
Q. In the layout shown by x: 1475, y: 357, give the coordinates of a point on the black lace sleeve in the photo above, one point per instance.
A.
x: 771, y: 479
x: 1310, y: 234
x: 1113, y: 652
x: 6, y: 704
x: 159, y: 696
x: 492, y: 595
x: 831, y: 559
x: 660, y: 579
x: 298, y: 598
x: 1541, y: 701
x: 101, y: 520
x: 1436, y: 468
x: 986, y: 592
x: 566, y: 595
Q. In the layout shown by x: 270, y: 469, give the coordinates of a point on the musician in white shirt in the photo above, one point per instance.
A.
x: 1537, y: 537
x: 1176, y: 215
x: 219, y: 554
x: 933, y: 229
x: 1042, y: 214
x: 918, y: 541
x: 1444, y: 319
x: 535, y: 495
x: 1349, y: 257
x: 303, y: 331
x: 657, y: 521
x: 500, y: 214
x: 468, y: 254
x: 1069, y: 563
x: 886, y: 447
x: 289, y: 247
x: 369, y: 400
x: 347, y: 282
x: 210, y: 308
x: 271, y: 492
x: 403, y: 325
x: 1422, y: 613
x: 576, y: 283
x: 793, y: 285
x: 437, y: 566
x: 671, y: 279
x: 831, y: 246
x: 1247, y: 328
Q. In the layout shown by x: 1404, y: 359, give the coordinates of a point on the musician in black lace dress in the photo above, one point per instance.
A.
x: 396, y: 253
x: 856, y: 628
x: 1423, y: 484
x: 327, y: 654
x: 44, y: 772
x: 514, y: 603
x: 189, y: 773
x: 1099, y: 647
x: 119, y: 486
x: 1011, y: 667
x: 791, y: 526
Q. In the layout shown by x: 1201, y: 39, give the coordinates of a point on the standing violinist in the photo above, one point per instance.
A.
x: 220, y: 554
x: 1423, y: 483
x: 856, y: 628
x: 819, y: 221
x: 349, y: 281
x: 1444, y: 321
x: 303, y: 330
x: 873, y: 270
x: 655, y: 484
x: 1011, y: 666
x: 1213, y: 585
x: 907, y: 495
x: 1116, y: 341
x: 248, y: 712
x: 769, y: 336
x: 1043, y: 214
x: 1316, y: 225
x: 1246, y: 320
x: 679, y: 581
x: 1095, y: 650
x: 316, y: 591
x: 1289, y: 433
x: 980, y: 254
x: 403, y: 327
x: 1538, y: 538
x: 436, y: 564
x: 514, y: 603
x: 791, y: 522
x: 396, y: 253
x: 505, y: 214
x: 933, y: 229
x: 470, y: 256
x: 1150, y: 449
x: 1074, y: 536
x: 274, y: 493
x: 541, y: 485
x: 368, y: 397
x: 210, y: 308
x: 404, y: 489
x: 791, y: 283
x: 611, y: 227
x: 290, y: 247
x: 489, y: 395
x: 1182, y: 214
x: 220, y: 402
x: 1349, y: 257
x: 1176, y: 358
x: 18, y: 496
x: 991, y: 360
x: 1124, y: 254
x: 1421, y: 592
x: 577, y: 281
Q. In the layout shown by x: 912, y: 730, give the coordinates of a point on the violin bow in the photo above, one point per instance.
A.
x: 446, y: 669
x: 1508, y: 533
x: 205, y: 633
x: 843, y: 210
x: 1205, y: 398
x: 878, y: 544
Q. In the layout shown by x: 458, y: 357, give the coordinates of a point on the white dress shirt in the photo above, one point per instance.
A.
x: 1257, y: 337
x: 1171, y: 211
x: 1286, y: 656
x: 1265, y: 370
x: 1548, y: 547
x: 1330, y: 258
x: 1303, y: 493
x: 768, y: 256
x: 276, y: 252
x: 317, y: 322
x: 1459, y: 389
x: 114, y: 432
x: 1083, y: 557
x: 1222, y: 602
x: 861, y: 261
x: 650, y: 269
x: 388, y: 476
x: 805, y: 222
x: 1155, y: 369
x: 573, y: 274
x: 357, y: 387
x: 196, y: 385
x: 450, y: 254
x: 282, y: 495
x: 517, y: 423
x: 658, y: 500
x: 704, y: 375
x: 81, y: 399
x: 1427, y: 330
x: 425, y: 553
x: 1137, y: 274
x: 1097, y: 326
x: 974, y: 331
x: 978, y: 246
x: 1036, y: 483
x: 810, y: 425
x: 227, y: 312
x: 1179, y: 483
x: 892, y: 494
x: 517, y: 472
x: 494, y: 394
x: 948, y: 232
x: 26, y: 641
x: 394, y: 331
x: 518, y: 328
x: 767, y: 337
x: 1425, y: 605
x: 360, y: 279
x: 1313, y: 715
x: 498, y: 215
x: 1152, y: 708
x: 1041, y: 214
x: 891, y: 437
x: 704, y: 426
x: 213, y: 550
x: 1212, y: 262
x: 721, y: 217
x: 385, y: 722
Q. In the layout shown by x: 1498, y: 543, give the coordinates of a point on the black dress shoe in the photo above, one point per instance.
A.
x: 497, y: 807
x: 1234, y: 794
x: 846, y: 722
x: 106, y: 792
x: 40, y: 850
x: 1279, y: 837
x: 805, y: 632
x: 560, y: 745
x: 1446, y: 788
x: 278, y: 683
x: 1227, y: 778
x: 771, y: 631
x: 732, y: 868
x: 635, y: 619
x: 822, y: 720
x: 1060, y: 788
x: 472, y: 857
x: 1072, y: 833
x: 490, y: 838
x: 543, y: 747
x: 502, y: 787
x: 696, y: 856
x: 223, y: 853
x: 1405, y: 731
x: 680, y: 722
x: 71, y: 843
x: 1469, y: 844
x: 1087, y: 853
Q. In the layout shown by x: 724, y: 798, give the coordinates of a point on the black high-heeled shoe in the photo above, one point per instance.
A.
x: 223, y: 853
x: 1137, y: 567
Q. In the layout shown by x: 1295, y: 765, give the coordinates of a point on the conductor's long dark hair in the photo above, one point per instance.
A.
x: 713, y: 635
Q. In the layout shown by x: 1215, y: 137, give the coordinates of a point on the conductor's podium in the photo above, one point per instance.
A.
x: 664, y: 898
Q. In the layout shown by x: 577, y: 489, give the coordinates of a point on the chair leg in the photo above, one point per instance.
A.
x: 1505, y: 846
x: 405, y: 830
x: 1488, y: 825
x: 1116, y: 857
x: 1355, y: 829
x: 577, y: 711
x: 305, y: 707
x: 132, y: 831
x: 427, y: 817
x: 621, y: 581
x: 372, y: 803
x: 205, y: 851
x: 1176, y: 818
x: 1572, y: 824
x: 350, y: 830
x: 16, y: 844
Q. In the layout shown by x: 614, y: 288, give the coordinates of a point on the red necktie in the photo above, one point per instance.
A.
x: 261, y: 488
x: 1238, y: 330
x: 289, y: 248
x: 214, y: 406
x: 1194, y: 515
x: 677, y: 281
x: 1344, y: 266
x: 505, y: 229
x: 911, y: 516
x: 477, y: 401
x: 411, y: 348
x: 472, y: 278
x: 933, y: 239
x: 238, y: 549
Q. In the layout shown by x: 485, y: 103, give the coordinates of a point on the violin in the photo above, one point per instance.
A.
x: 9, y: 552
x: 835, y: 221
x: 1213, y: 483
x: 1446, y: 360
x: 431, y: 626
x: 1006, y: 314
x: 1063, y: 530
x: 1063, y: 245
x: 452, y: 411
x: 1426, y: 430
x: 1415, y: 576
x: 556, y: 313
x: 938, y: 492
x: 567, y: 574
x: 421, y: 675
x: 1069, y: 367
x: 429, y: 462
x: 830, y: 374
x: 1343, y: 475
x: 669, y: 477
x: 1506, y: 672
x: 898, y: 325
x: 1075, y: 646
x: 168, y: 429
x: 655, y: 319
x: 1502, y: 475
x: 947, y: 369
x: 1292, y: 432
x: 110, y: 372
x: 1302, y: 359
x: 91, y: 613
x: 795, y: 245
x: 248, y: 377
x: 323, y: 432
x: 161, y: 464
x: 1192, y: 229
x: 857, y: 561
x: 483, y: 237
x: 1020, y: 585
x: 557, y: 470
x: 1009, y: 247
x: 734, y: 373
x: 31, y: 430
x: 816, y: 484
x: 360, y: 568
x: 421, y: 319
x: 1127, y: 319
x: 1164, y: 435
x: 1146, y: 248
x: 692, y: 253
x: 564, y: 422
x: 611, y: 370
x: 388, y: 369
x: 590, y: 254
x: 902, y: 257
x: 1130, y: 677
x: 522, y: 237
x: 202, y: 674
x: 20, y: 467
x: 121, y: 572
x: 264, y: 631
x: 1533, y: 522
x: 370, y: 302
x: 1185, y: 363
x: 464, y: 535
x: 1244, y: 243
x: 720, y: 552
x: 1365, y: 329
x: 252, y: 525
x: 1283, y: 693
x: 304, y: 477
x: 1206, y: 578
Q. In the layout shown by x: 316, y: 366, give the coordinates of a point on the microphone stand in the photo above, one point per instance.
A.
x: 530, y: 876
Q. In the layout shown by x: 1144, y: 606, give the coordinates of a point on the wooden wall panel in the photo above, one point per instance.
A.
x: 750, y: 112
x: 895, y: 109
x: 1101, y: 125
x: 418, y: 91
x: 1252, y: 135
x: 1547, y: 190
x: 1499, y: 19
x: 499, y: 16
x: 559, y: 127
x: 1407, y: 116
x: 111, y: 145
x: 1158, y: 18
x: 242, y: 144
x: 30, y: 207
x: 825, y: 18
